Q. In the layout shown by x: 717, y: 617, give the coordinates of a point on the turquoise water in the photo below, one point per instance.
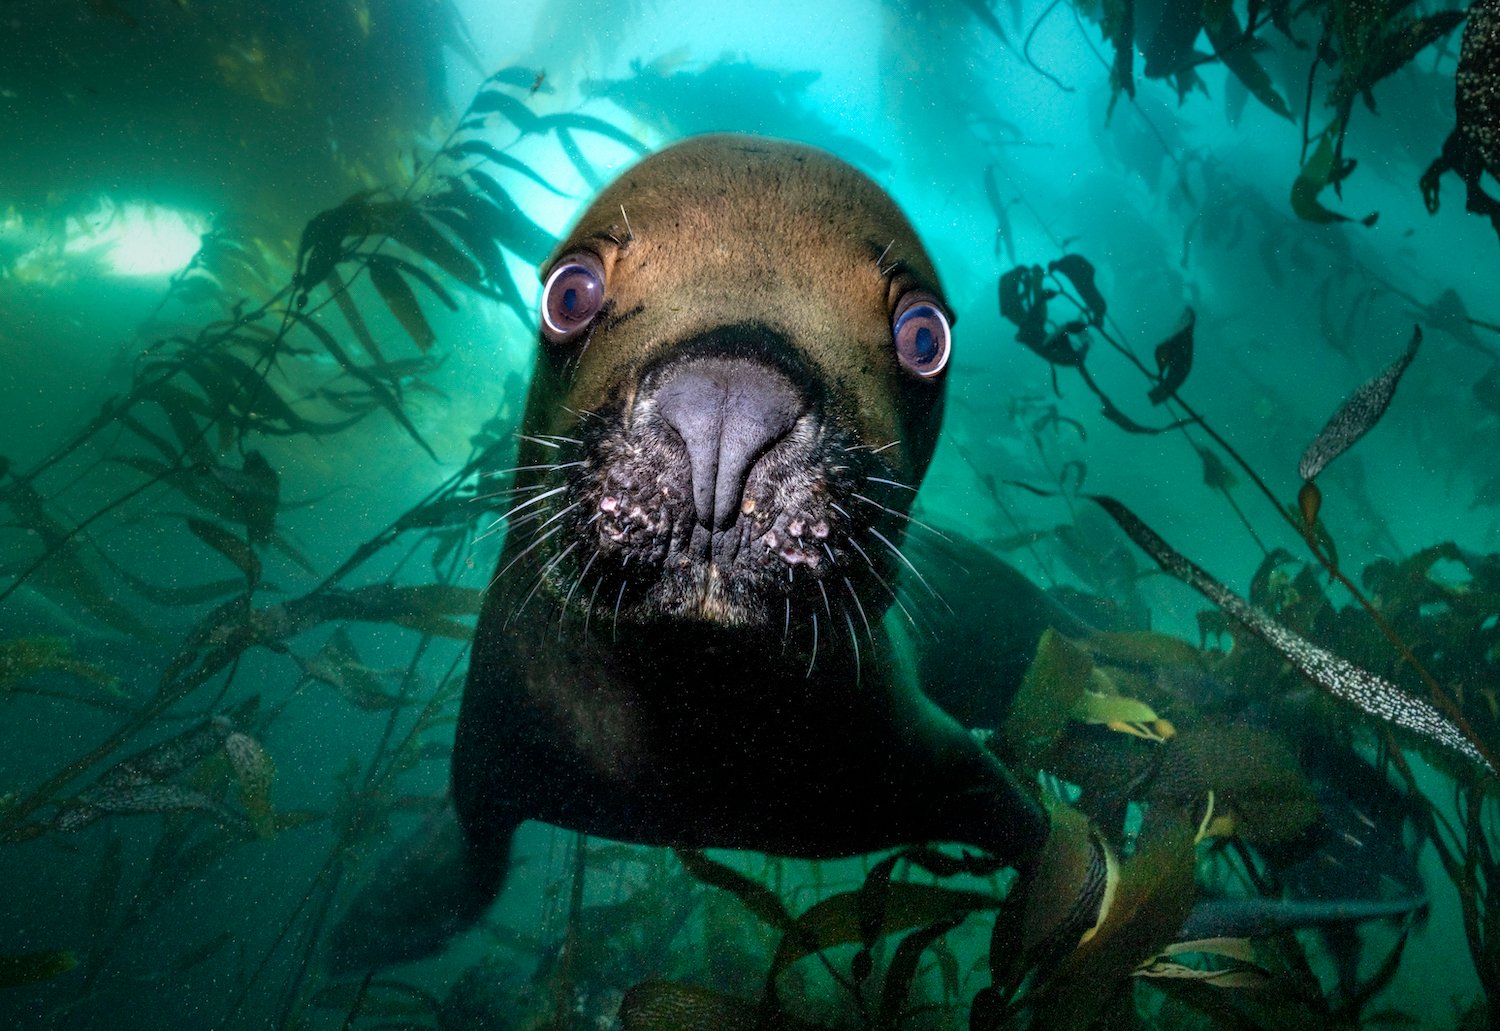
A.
x: 137, y: 542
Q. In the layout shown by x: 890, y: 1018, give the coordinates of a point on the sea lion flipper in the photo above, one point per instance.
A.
x: 435, y: 885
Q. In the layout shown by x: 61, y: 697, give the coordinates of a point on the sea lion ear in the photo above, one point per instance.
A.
x: 572, y: 296
x: 921, y: 331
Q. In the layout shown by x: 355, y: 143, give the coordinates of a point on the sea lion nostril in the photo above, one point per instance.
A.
x: 728, y: 413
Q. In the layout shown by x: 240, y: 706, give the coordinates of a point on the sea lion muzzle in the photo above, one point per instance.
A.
x: 728, y: 413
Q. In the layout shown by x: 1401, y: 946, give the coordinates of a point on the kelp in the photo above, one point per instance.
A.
x: 186, y: 429
x: 1363, y: 42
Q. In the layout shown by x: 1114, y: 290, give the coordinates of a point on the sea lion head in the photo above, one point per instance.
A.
x: 740, y: 385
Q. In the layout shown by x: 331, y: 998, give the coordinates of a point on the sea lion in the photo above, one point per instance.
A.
x: 739, y: 387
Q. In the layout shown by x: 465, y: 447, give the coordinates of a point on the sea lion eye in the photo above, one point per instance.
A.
x: 920, y: 329
x: 572, y: 296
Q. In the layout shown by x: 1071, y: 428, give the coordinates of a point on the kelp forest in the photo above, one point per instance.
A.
x: 1226, y: 385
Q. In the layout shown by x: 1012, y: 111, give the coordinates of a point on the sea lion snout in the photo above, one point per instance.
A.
x: 729, y: 413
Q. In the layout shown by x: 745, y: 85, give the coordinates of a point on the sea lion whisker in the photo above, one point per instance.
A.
x: 614, y: 631
x: 524, y: 552
x: 541, y: 467
x: 786, y: 624
x: 853, y: 639
x: 891, y: 483
x: 582, y: 413
x: 861, y: 607
x: 915, y: 571
x: 814, y: 660
x: 874, y: 571
x: 903, y: 515
x: 511, y: 526
x: 826, y: 607
x: 527, y: 504
x: 545, y: 442
x: 541, y: 578
x: 583, y: 573
x: 588, y: 613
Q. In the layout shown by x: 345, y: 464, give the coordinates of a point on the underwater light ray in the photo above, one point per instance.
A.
x: 1339, y: 677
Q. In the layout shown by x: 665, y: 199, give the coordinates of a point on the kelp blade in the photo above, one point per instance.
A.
x: 1337, y: 676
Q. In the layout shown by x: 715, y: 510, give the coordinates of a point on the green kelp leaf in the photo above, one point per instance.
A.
x: 1340, y: 678
x: 836, y: 920
x: 22, y: 658
x: 1080, y: 272
x: 31, y: 967
x: 580, y: 162
x: 1054, y: 683
x: 398, y: 297
x: 1237, y: 52
x: 756, y: 897
x: 1320, y: 172
x: 1358, y: 414
x: 1174, y: 360
x: 481, y: 149
x: 238, y: 552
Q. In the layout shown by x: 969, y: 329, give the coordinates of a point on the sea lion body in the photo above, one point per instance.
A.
x: 683, y: 644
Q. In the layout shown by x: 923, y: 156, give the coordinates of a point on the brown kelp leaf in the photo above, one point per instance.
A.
x: 1054, y: 683
x: 413, y: 230
x: 1319, y: 173
x: 836, y: 920
x: 487, y: 151
x: 1358, y: 414
x: 1174, y: 359
x: 665, y: 1006
x: 382, y: 997
x: 322, y: 244
x: 1080, y: 272
x: 253, y: 772
x: 902, y: 969
x: 399, y: 298
x: 377, y: 388
x: 502, y: 218
x: 135, y: 799
x: 1340, y: 678
x: 1216, y: 475
x: 1154, y: 895
x: 1237, y: 51
x: 1023, y: 300
x: 22, y: 658
x: 1254, y: 778
x: 757, y: 898
x: 31, y: 967
x: 227, y: 544
x: 338, y: 665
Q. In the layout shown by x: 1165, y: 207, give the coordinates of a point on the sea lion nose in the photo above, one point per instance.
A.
x: 728, y: 414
